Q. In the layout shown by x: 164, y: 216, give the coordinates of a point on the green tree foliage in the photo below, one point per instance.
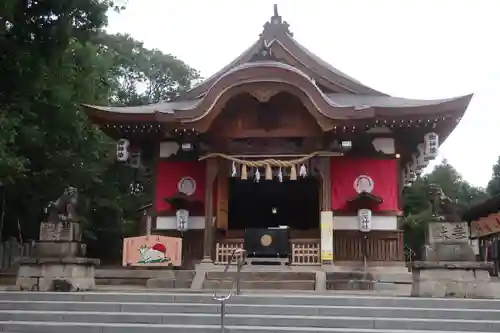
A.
x: 417, y: 208
x: 493, y: 187
x: 142, y: 76
x: 54, y: 55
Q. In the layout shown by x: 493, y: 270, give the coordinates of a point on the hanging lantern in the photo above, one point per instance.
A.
x: 407, y: 176
x: 431, y: 143
x: 280, y: 175
x: 122, y: 150
x: 135, y: 160
x: 421, y: 161
x: 412, y: 177
x: 414, y: 162
x: 182, y: 218
x: 365, y: 220
x: 303, y: 171
x: 233, y: 169
x: 257, y: 175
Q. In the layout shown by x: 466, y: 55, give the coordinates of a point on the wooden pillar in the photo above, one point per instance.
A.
x: 326, y: 184
x: 208, y: 237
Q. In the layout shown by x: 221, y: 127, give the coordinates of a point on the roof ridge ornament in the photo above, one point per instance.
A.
x: 275, y: 26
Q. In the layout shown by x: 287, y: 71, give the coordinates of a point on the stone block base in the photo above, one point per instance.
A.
x: 449, y: 252
x: 56, y: 274
x: 452, y: 279
x: 51, y: 249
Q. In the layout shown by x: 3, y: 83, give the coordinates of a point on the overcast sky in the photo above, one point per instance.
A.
x: 406, y: 48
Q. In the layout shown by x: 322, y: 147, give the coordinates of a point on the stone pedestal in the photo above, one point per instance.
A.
x: 466, y: 279
x: 56, y: 274
x: 450, y: 269
x: 58, y: 262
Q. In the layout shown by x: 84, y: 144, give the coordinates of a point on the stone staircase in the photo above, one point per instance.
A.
x: 270, y: 313
x: 261, y: 280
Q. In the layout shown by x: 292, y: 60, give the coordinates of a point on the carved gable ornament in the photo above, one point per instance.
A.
x: 363, y: 183
x: 263, y: 95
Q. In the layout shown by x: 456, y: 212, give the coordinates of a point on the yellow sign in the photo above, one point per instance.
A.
x: 326, y: 236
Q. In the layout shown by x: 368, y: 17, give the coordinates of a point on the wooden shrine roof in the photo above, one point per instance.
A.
x: 276, y: 57
x: 359, y: 106
x: 483, y: 209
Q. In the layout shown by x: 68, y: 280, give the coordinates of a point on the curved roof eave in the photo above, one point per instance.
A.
x: 387, y: 106
x: 365, y: 106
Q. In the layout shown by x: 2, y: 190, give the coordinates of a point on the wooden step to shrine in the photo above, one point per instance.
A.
x: 261, y: 280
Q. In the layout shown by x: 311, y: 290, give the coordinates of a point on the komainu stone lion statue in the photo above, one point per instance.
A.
x: 64, y: 208
x: 442, y: 206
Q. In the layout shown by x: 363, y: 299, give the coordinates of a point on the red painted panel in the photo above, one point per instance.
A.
x: 345, y: 170
x: 168, y: 175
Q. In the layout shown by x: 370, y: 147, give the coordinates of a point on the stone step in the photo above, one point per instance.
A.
x: 58, y: 327
x: 284, y: 298
x: 254, y: 320
x: 263, y: 276
x: 262, y: 285
x: 253, y: 309
x: 141, y: 277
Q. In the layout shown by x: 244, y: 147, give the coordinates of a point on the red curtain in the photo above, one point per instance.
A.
x: 384, y: 173
x: 168, y: 175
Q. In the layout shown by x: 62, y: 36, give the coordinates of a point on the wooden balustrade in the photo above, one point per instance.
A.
x: 381, y: 245
x: 347, y: 246
x: 304, y: 251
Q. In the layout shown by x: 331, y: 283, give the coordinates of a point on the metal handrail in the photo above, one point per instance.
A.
x: 409, y: 254
x: 240, y: 260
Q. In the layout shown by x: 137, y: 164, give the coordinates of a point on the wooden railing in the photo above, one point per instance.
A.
x: 11, y: 251
x: 381, y: 245
x: 304, y: 251
x: 224, y: 250
x: 347, y: 246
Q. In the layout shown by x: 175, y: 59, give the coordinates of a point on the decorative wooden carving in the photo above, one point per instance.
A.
x: 263, y: 95
x: 283, y: 116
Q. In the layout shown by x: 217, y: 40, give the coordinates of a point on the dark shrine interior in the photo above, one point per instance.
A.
x: 270, y: 203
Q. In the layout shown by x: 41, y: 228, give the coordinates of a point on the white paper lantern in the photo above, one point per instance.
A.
x: 182, y: 219
x: 412, y: 177
x: 135, y: 160
x: 414, y: 162
x: 431, y: 145
x: 365, y: 220
x: 421, y: 161
x: 122, y: 150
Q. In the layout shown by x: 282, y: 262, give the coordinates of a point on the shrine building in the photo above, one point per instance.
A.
x: 282, y: 154
x: 484, y: 221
